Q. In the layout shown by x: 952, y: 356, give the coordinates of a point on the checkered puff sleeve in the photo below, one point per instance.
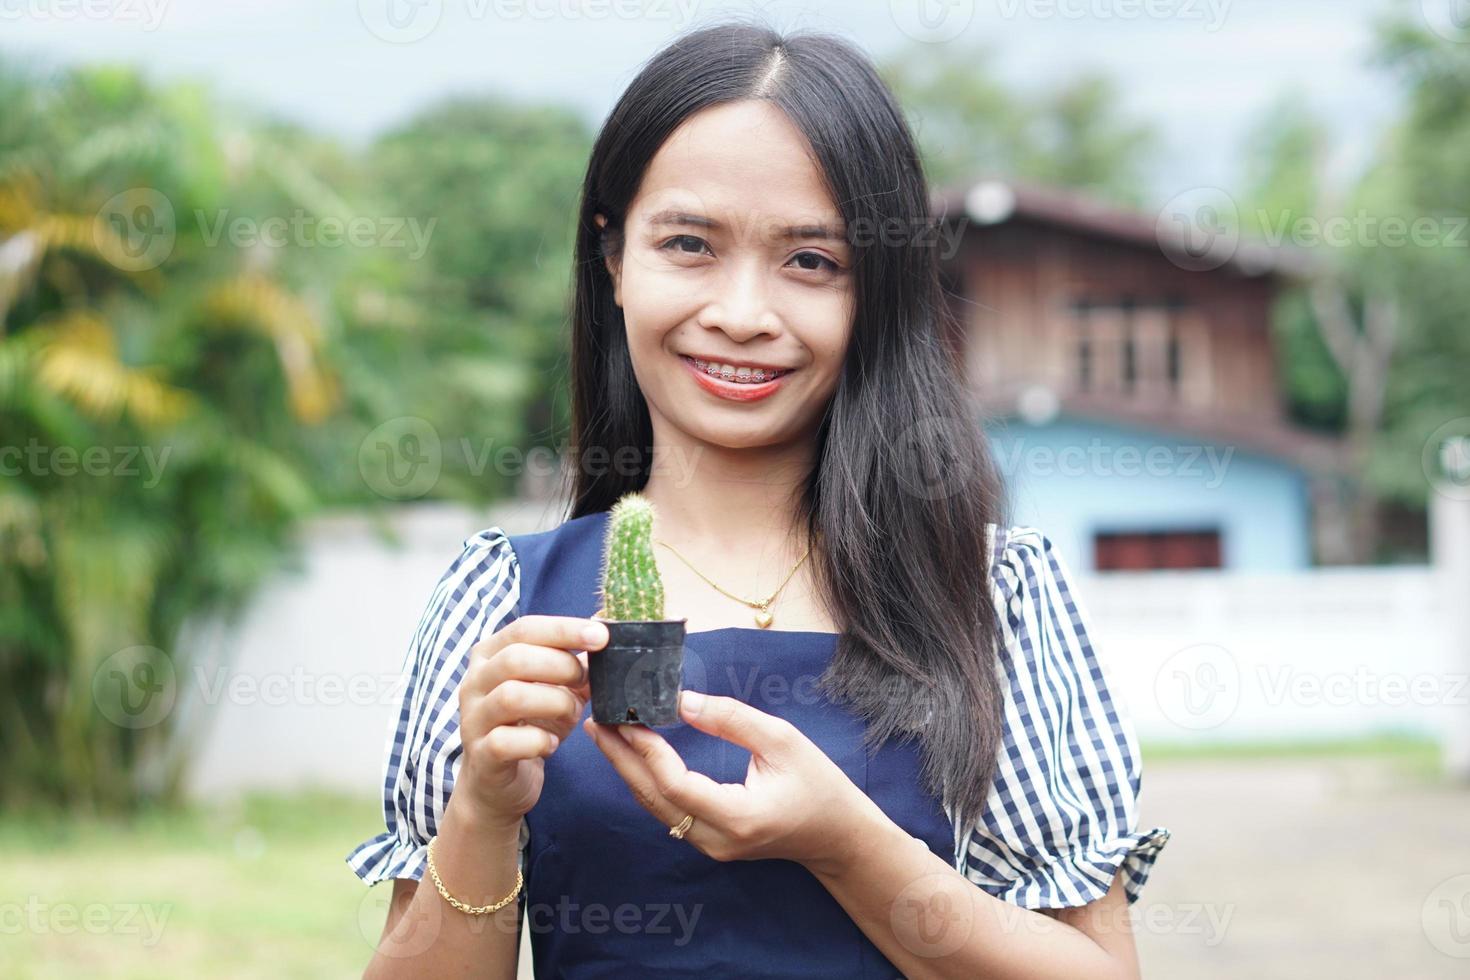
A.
x: 474, y: 598
x: 1062, y: 817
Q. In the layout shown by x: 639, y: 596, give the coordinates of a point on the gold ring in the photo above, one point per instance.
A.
x: 682, y: 827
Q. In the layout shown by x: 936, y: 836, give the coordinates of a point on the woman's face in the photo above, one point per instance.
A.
x: 734, y: 260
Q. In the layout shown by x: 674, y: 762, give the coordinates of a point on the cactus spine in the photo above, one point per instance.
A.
x: 631, y: 587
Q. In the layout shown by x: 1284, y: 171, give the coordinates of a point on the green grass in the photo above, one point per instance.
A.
x: 255, y: 889
x: 1414, y: 754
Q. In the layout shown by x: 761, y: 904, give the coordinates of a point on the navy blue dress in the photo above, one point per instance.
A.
x: 610, y: 893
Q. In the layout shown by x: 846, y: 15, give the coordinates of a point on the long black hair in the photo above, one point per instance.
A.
x: 904, y: 486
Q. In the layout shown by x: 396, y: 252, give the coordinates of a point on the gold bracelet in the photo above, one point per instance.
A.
x: 470, y: 909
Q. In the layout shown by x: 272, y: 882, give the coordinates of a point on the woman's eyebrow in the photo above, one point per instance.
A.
x: 803, y: 232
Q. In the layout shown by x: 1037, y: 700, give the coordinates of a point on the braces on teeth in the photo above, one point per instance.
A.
x: 726, y: 372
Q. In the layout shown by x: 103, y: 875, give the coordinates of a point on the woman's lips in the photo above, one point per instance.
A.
x: 735, y: 391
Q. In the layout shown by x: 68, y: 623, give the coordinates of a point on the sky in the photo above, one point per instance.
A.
x: 1201, y: 71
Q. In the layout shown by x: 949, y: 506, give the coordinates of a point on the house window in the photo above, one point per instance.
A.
x: 1128, y: 346
x: 1126, y: 305
x: 1117, y: 551
x: 1175, y: 305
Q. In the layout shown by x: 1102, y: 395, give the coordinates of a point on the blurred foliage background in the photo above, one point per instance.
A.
x: 133, y: 319
x: 229, y: 378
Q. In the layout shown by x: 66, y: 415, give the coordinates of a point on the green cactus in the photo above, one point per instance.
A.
x: 631, y: 586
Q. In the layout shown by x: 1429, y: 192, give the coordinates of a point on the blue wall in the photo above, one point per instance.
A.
x: 1075, y: 477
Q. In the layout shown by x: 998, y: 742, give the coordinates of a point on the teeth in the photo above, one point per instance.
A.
x: 739, y: 375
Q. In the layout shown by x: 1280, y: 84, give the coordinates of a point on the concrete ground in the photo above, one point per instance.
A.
x: 1343, y: 868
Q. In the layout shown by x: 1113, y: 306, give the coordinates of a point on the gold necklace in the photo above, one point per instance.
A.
x: 763, y: 615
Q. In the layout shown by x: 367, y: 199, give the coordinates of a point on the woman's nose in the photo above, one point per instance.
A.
x: 742, y: 305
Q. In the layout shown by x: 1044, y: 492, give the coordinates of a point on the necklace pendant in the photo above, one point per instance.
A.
x: 763, y: 619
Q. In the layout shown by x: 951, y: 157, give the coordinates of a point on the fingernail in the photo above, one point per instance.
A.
x: 693, y: 702
x: 594, y: 634
x: 555, y: 741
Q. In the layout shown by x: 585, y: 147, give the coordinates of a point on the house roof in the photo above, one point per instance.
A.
x: 1310, y: 451
x: 1173, y: 230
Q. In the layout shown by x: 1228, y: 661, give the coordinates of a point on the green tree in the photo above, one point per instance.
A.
x: 1373, y: 345
x: 967, y: 123
x: 486, y: 332
x: 1424, y: 169
x: 176, y: 289
x: 150, y: 380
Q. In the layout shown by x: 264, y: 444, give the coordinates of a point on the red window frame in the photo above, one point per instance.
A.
x: 1135, y: 551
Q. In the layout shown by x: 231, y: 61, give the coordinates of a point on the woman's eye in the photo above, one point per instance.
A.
x: 833, y: 266
x: 674, y: 244
x: 694, y: 245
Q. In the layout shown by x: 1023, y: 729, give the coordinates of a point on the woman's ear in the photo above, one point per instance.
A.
x: 613, y: 263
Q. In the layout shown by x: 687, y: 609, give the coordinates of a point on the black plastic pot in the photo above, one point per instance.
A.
x: 635, y: 679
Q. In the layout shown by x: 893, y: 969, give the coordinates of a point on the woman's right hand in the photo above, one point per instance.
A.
x: 523, y: 693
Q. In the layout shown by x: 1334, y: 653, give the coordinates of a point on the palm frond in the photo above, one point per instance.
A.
x: 106, y: 574
x: 20, y: 197
x: 274, y: 476
x: 138, y: 144
x: 21, y: 538
x: 78, y: 360
x: 20, y: 257
x: 263, y: 306
x: 17, y: 362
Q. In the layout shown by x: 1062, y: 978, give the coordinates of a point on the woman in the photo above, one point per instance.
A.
x: 900, y: 699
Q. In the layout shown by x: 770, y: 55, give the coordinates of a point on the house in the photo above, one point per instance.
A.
x: 1130, y: 385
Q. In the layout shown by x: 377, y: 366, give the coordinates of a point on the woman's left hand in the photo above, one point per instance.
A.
x: 795, y: 802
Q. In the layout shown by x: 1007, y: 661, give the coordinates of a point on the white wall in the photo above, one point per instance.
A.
x: 1323, y: 653
x: 302, y: 692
